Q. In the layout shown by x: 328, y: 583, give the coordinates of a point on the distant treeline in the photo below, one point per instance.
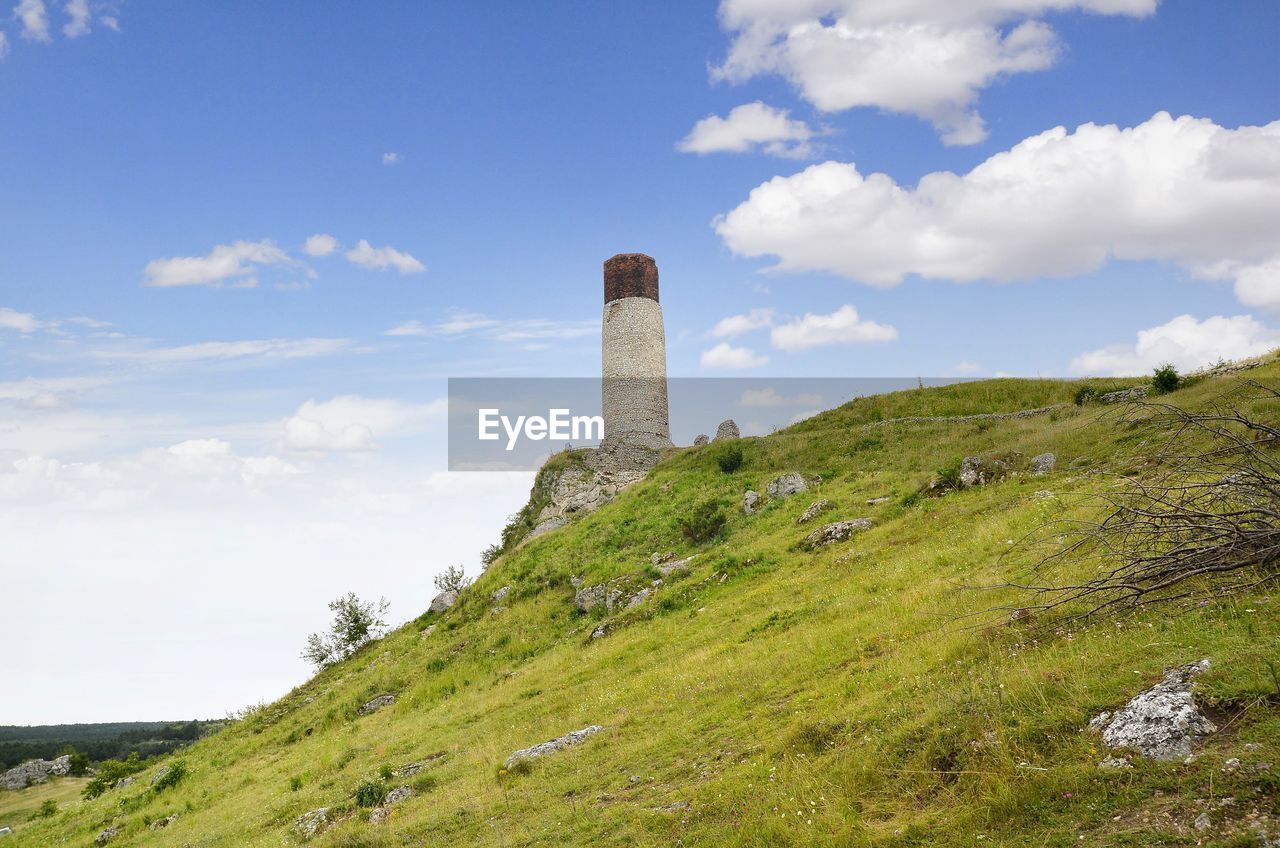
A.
x: 114, y: 740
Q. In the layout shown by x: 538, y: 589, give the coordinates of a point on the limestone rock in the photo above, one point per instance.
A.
x: 500, y: 595
x: 589, y: 598
x: 750, y: 501
x: 812, y: 511
x: 836, y: 532
x: 34, y: 771
x: 981, y: 470
x: 1115, y: 764
x: 679, y: 566
x: 786, y: 485
x: 125, y: 781
x: 639, y: 598
x: 701, y: 440
x: 427, y: 631
x: 106, y: 836
x: 1043, y: 464
x: 155, y: 778
x: 1160, y: 723
x: 1135, y: 393
x: 378, y: 815
x: 728, y: 429
x: 557, y: 744
x: 395, y: 796
x: 415, y: 767
x: 312, y: 822
x: 878, y: 501
x: 159, y: 824
x: 377, y: 704
x: 442, y: 602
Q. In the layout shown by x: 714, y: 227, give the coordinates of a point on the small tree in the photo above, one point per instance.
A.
x: 452, y: 579
x: 355, y: 624
x: 1165, y: 379
x: 490, y: 554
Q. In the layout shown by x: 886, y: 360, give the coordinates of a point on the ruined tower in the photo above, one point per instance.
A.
x: 634, y: 351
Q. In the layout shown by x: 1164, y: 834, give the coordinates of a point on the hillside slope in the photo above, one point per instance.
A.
x: 773, y: 696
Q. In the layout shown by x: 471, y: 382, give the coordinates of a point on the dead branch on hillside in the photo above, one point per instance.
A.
x: 1204, y: 520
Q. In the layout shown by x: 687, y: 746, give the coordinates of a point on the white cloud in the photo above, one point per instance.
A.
x: 46, y: 392
x: 391, y: 158
x: 23, y: 322
x: 1185, y: 342
x: 725, y: 355
x: 379, y: 258
x: 752, y: 126
x: 1183, y: 190
x: 214, y: 351
x: 928, y: 58
x: 354, y: 423
x: 520, y: 330
x: 237, y: 262
x: 4, y: 46
x: 769, y: 396
x: 78, y: 13
x: 965, y: 367
x: 34, y: 19
x: 320, y: 244
x: 408, y: 328
x: 110, y: 22
x: 840, y: 327
x: 735, y: 325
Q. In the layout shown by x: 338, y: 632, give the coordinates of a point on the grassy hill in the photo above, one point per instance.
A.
x: 773, y: 696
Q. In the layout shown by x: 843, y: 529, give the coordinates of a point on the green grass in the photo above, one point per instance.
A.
x: 789, y: 698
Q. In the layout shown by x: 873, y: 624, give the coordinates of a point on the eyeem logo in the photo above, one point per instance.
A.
x: 559, y: 426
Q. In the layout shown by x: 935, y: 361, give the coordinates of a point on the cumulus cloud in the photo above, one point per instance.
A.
x: 752, y: 126
x: 34, y: 18
x: 354, y: 423
x: 78, y: 15
x: 234, y: 262
x: 769, y: 396
x: 725, y: 355
x: 380, y: 258
x: 736, y: 325
x: 1060, y: 203
x: 320, y: 244
x: 247, y: 349
x: 928, y: 58
x: 1185, y: 342
x: 23, y: 322
x: 391, y: 158
x: 843, y: 326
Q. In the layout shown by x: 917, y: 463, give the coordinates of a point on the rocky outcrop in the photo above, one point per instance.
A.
x: 1163, y: 722
x: 585, y: 481
x: 160, y: 824
x: 1124, y: 395
x: 395, y: 796
x: 786, y: 485
x: 701, y: 440
x: 159, y: 775
x: 835, y: 532
x: 500, y: 595
x: 107, y: 835
x: 675, y: 566
x: 312, y: 822
x: 728, y: 429
x: 981, y: 470
x: 557, y: 744
x: 1043, y: 464
x: 443, y: 602
x: 34, y: 771
x: 813, y: 510
x: 750, y: 501
x: 590, y: 598
x: 377, y: 703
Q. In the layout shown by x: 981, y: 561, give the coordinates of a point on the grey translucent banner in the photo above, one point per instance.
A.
x: 516, y: 423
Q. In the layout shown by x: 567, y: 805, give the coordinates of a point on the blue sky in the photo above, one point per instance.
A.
x: 492, y: 156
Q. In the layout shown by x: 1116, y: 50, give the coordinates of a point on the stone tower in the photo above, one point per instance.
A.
x: 634, y: 351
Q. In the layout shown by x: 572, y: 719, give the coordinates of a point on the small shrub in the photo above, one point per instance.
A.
x: 47, y: 810
x: 172, y: 777
x: 453, y: 579
x: 109, y: 771
x: 730, y: 458
x: 949, y: 475
x: 295, y: 783
x: 371, y: 793
x: 489, y: 554
x: 704, y: 523
x: 385, y: 771
x: 1165, y: 379
x: 355, y: 623
x: 1086, y: 393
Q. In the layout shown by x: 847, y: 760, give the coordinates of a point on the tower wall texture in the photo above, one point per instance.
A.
x: 634, y: 354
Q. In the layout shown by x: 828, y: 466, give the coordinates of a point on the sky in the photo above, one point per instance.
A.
x: 243, y: 245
